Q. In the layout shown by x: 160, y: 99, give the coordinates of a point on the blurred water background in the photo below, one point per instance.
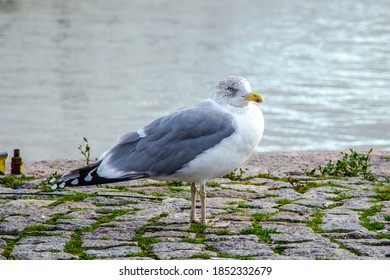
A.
x: 96, y: 69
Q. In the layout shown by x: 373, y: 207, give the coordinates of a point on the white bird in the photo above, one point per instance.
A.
x: 193, y: 144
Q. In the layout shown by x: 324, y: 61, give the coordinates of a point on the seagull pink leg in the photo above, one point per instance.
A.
x: 193, y: 203
x: 203, y: 203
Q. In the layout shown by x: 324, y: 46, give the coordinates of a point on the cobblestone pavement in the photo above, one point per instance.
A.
x: 265, y: 216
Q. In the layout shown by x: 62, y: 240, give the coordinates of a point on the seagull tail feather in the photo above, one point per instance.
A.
x: 87, y: 175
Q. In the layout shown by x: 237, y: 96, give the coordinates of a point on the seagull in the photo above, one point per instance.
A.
x: 193, y: 144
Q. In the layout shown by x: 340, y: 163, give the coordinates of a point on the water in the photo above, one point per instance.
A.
x: 94, y: 68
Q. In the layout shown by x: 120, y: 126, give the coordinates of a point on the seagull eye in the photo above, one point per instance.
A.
x: 231, y: 89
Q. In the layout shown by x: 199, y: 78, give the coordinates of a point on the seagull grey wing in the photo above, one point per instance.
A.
x: 167, y: 144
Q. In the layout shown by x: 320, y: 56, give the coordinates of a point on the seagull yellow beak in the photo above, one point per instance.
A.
x: 253, y: 96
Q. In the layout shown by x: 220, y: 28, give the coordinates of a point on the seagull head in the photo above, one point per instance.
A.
x: 235, y: 91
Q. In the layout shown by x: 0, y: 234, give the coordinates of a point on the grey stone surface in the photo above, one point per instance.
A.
x: 144, y: 226
x: 104, y: 200
x: 182, y: 254
x: 104, y: 243
x: 114, y: 252
x: 42, y: 247
x: 2, y: 243
x: 349, y: 222
x: 291, y: 217
x: 19, y: 223
x: 290, y: 238
x: 32, y: 255
x: 239, y: 246
x: 69, y: 206
x: 368, y: 248
x: 313, y: 202
x: 178, y: 250
x: 263, y: 203
x: 169, y: 233
x: 114, y: 233
x: 292, y: 207
x: 23, y: 206
x: 318, y: 250
x: 83, y: 214
x: 358, y: 234
x: 358, y: 203
x: 73, y: 224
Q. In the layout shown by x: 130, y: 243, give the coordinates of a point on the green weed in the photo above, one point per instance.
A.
x: 284, y: 201
x: 340, y: 197
x: 10, y: 243
x: 11, y: 181
x: 316, y: 221
x: 351, y: 165
x: 200, y: 256
x: 188, y: 239
x: 223, y: 232
x: 262, y: 233
x: 85, y: 150
x: 111, y: 215
x: 365, y: 221
x: 74, y: 245
x: 264, y: 175
x: 342, y: 246
x: 382, y: 193
x: 279, y: 249
x: 77, y: 196
x: 197, y: 228
x: 235, y: 175
x: 261, y: 217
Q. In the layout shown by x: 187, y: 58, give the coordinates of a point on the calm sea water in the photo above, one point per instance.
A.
x: 96, y: 69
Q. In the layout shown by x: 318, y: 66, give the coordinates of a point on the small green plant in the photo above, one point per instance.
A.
x: 383, y: 235
x: 111, y: 215
x: 351, y: 165
x: 177, y: 189
x: 223, y: 231
x: 200, y: 256
x: 261, y: 217
x: 11, y: 181
x: 279, y: 249
x: 297, y: 185
x: 262, y: 233
x: 235, y: 175
x: 242, y: 204
x: 176, y: 183
x: 74, y: 245
x: 36, y: 228
x: 197, y: 228
x: 7, y: 250
x: 382, y: 193
x: 308, y: 172
x: 145, y: 242
x: 316, y: 221
x: 284, y: 201
x: 365, y: 221
x: 213, y: 184
x: 342, y: 246
x: 192, y: 240
x: 158, y: 194
x: 85, y: 150
x: 264, y: 175
x: 341, y: 196
x: 77, y: 196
